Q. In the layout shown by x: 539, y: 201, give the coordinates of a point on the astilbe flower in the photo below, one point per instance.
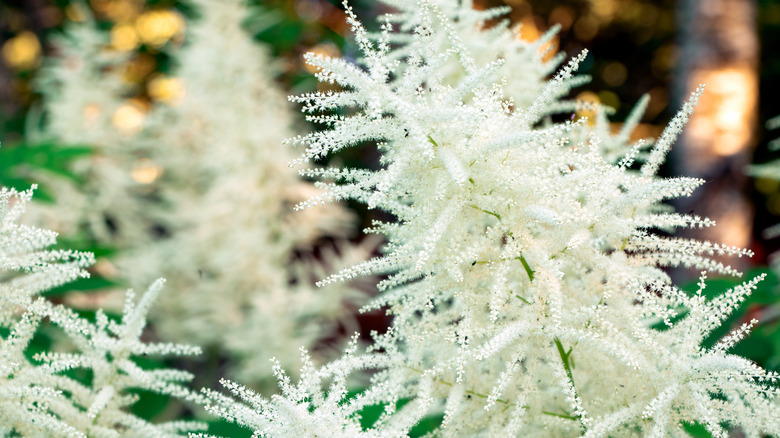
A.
x: 85, y: 103
x: 229, y: 196
x: 37, y: 397
x: 216, y: 216
x: 525, y: 275
x: 523, y: 68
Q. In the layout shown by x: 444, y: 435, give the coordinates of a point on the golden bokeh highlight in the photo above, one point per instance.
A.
x: 165, y: 89
x: 529, y: 31
x: 724, y: 119
x: 664, y: 60
x: 157, y: 27
x: 75, y: 12
x: 129, y: 118
x: 609, y: 99
x: 139, y: 68
x: 586, y: 28
x: 587, y: 103
x: 22, y: 52
x: 562, y: 16
x: 604, y: 10
x: 118, y: 10
x: 145, y: 171
x: 124, y: 37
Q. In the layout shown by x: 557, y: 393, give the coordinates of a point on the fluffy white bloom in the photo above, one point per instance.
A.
x: 37, y: 398
x: 202, y: 193
x: 86, y: 104
x: 525, y: 275
x: 229, y: 196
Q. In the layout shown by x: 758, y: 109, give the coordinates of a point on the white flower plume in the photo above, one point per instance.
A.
x: 37, y: 397
x: 525, y: 270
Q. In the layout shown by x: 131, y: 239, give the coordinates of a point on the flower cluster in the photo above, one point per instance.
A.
x: 200, y: 192
x: 37, y: 396
x: 525, y: 270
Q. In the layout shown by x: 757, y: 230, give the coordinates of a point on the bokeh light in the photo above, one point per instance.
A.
x: 22, y: 52
x: 129, y: 117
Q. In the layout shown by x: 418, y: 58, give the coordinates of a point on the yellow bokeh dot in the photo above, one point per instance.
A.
x: 587, y: 103
x: 128, y: 118
x: 167, y: 90
x: 22, y: 52
x: 124, y: 37
x: 145, y: 171
x: 157, y: 27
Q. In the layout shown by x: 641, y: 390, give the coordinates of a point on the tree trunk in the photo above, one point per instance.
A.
x: 719, y: 47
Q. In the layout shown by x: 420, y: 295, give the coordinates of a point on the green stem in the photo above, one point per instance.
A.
x: 568, y: 417
x: 567, y: 367
x: 485, y: 396
x: 468, y: 391
x: 528, y: 269
x: 492, y: 213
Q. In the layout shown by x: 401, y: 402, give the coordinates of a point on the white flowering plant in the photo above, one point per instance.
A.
x: 38, y: 396
x: 197, y: 188
x: 525, y: 267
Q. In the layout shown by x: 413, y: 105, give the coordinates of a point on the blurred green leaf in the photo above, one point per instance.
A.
x: 696, y: 430
x: 91, y: 284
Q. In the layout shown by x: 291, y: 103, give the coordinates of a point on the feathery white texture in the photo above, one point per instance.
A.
x: 521, y: 66
x: 524, y: 64
x: 308, y: 409
x: 229, y: 196
x: 29, y: 268
x: 218, y: 220
x: 517, y: 246
x: 83, y: 92
x: 36, y: 397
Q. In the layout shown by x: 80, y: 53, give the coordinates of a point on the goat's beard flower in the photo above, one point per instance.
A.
x: 525, y: 276
x: 200, y: 191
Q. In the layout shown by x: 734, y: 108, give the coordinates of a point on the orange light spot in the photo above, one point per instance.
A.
x: 168, y: 90
x: 22, y: 52
x: 586, y: 106
x: 129, y: 118
x: 124, y: 37
x: 724, y: 119
x: 145, y: 171
x: 157, y: 27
